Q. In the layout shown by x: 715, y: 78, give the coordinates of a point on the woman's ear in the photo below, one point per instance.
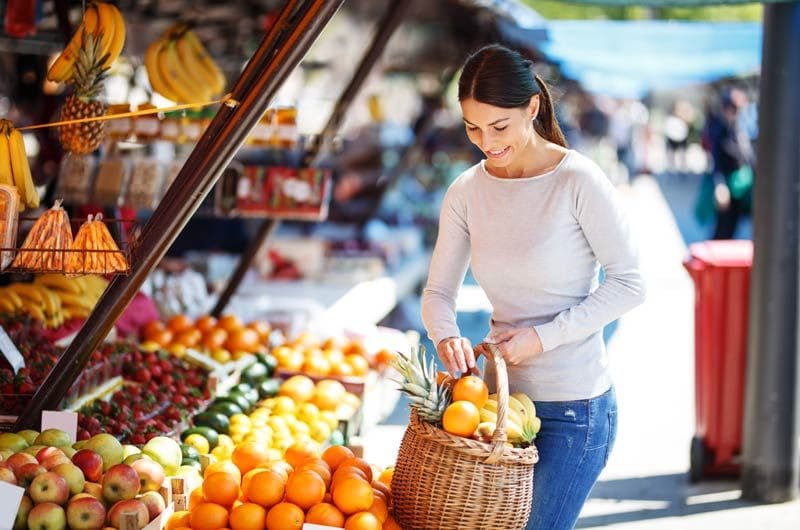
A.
x: 533, y: 106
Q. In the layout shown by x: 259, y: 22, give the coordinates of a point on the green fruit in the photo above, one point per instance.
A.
x: 269, y: 388
x: 247, y: 391
x: 130, y: 459
x: 225, y: 407
x: 237, y: 399
x: 79, y: 445
x: 206, y: 432
x: 246, y: 396
x: 255, y: 373
x: 15, y: 442
x: 190, y: 452
x: 52, y: 437
x: 108, y: 447
x: 217, y: 421
x: 29, y: 435
x: 269, y: 361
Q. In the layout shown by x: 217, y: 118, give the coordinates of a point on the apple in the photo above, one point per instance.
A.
x: 47, y: 452
x: 47, y: 516
x: 128, y: 505
x: 73, y: 475
x: 15, y: 442
x: 69, y: 451
x: 81, y: 495
x: 90, y: 463
x: 29, y: 435
x: 120, y: 483
x: 28, y: 472
x: 151, y: 474
x: 154, y: 502
x: 108, y: 447
x: 79, y: 444
x: 86, y: 513
x: 94, y: 489
x: 49, y: 487
x: 166, y: 452
x: 130, y: 459
x: 55, y: 460
x: 52, y: 437
x: 25, y: 505
x: 33, y: 449
x: 128, y: 450
x: 5, y: 453
x: 7, y: 475
x: 17, y: 460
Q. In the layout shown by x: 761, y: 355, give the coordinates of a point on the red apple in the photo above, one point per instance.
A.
x: 49, y: 487
x: 28, y: 472
x: 151, y: 474
x: 94, y: 489
x: 86, y: 513
x: 81, y: 495
x: 154, y: 502
x: 55, y: 460
x: 47, y: 516
x: 25, y: 505
x: 129, y: 505
x: 7, y: 475
x: 17, y: 460
x: 73, y: 475
x: 47, y: 452
x: 90, y: 463
x: 121, y: 482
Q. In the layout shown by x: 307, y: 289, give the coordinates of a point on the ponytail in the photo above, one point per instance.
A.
x: 545, y: 123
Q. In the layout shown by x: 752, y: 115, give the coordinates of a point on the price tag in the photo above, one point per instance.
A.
x: 10, y: 352
x: 66, y: 421
x: 11, y: 495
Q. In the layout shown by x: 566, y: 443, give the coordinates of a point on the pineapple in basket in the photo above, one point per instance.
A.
x: 88, y: 78
x: 419, y: 383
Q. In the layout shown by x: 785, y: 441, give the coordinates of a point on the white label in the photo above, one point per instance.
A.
x: 10, y: 352
x: 64, y: 420
x: 11, y: 495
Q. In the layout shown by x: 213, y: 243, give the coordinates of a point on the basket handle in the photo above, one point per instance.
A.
x: 499, y: 437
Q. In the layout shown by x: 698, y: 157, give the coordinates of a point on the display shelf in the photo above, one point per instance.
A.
x: 106, y: 389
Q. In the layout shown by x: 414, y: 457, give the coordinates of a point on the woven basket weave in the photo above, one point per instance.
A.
x: 446, y: 482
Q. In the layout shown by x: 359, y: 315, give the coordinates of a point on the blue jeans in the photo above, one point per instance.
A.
x: 574, y: 443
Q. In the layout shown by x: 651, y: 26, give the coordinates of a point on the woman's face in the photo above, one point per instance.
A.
x: 500, y: 133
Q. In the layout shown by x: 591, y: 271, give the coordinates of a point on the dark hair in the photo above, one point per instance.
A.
x: 498, y: 76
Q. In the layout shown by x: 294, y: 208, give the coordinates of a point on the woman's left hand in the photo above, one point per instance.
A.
x: 518, y: 345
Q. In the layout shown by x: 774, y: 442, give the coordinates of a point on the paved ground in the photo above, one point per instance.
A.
x: 645, y: 485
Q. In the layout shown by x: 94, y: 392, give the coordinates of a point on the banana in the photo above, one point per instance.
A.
x: 190, y: 45
x: 21, y: 169
x: 6, y: 306
x: 28, y: 292
x: 176, y: 76
x: 71, y: 311
x: 513, y: 415
x: 68, y: 299
x: 61, y: 70
x: 192, y: 67
x: 515, y: 405
x: 59, y: 282
x: 6, y: 171
x: 112, y: 27
x: 11, y: 297
x: 35, y: 311
x: 52, y: 302
x: 151, y: 64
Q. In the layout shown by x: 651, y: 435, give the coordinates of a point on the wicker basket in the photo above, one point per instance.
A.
x: 447, y: 482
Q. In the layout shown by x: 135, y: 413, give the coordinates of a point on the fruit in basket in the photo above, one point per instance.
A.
x: 522, y: 404
x: 151, y: 474
x: 418, y: 370
x: 166, y: 452
x: 14, y: 168
x: 471, y: 388
x: 47, y: 516
x: 94, y: 250
x: 129, y: 505
x: 49, y: 487
x: 90, y: 463
x: 86, y: 513
x: 108, y: 447
x: 120, y: 482
x: 154, y: 503
x: 461, y: 418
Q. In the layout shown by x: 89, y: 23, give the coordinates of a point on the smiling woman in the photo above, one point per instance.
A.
x: 535, y: 221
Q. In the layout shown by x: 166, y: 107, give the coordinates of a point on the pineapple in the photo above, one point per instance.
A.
x: 88, y: 77
x: 419, y: 383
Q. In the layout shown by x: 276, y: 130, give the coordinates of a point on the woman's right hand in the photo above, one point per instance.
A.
x: 457, y: 355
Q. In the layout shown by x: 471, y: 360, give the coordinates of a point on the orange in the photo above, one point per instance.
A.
x: 221, y: 488
x: 332, y: 343
x: 151, y: 328
x: 248, y: 476
x: 196, y: 498
x: 298, y: 453
x: 285, y: 516
x: 229, y: 323
x: 379, y: 509
x: 358, y: 363
x: 386, y: 477
x: 329, y: 394
x: 473, y: 389
x: 209, y: 516
x: 316, y: 365
x: 242, y: 340
x: 266, y: 488
x: 381, y: 487
x: 298, y: 387
x: 325, y: 514
x: 224, y: 466
x: 248, y: 516
x: 318, y: 466
x: 179, y: 323
x: 391, y: 524
x: 188, y: 337
x: 363, y: 521
x: 359, y: 463
x: 249, y: 455
x: 342, y: 369
x: 335, y: 454
x: 214, y: 338
x: 344, y: 473
x: 262, y: 328
x: 163, y: 338
x: 305, y: 489
x: 205, y: 323
x: 281, y: 467
x: 354, y: 347
x: 334, y: 356
x: 353, y: 495
x: 385, y: 356
x: 461, y: 418
x: 443, y: 378
x: 178, y: 519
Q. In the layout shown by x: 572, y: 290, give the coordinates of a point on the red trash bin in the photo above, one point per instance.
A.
x: 721, y: 274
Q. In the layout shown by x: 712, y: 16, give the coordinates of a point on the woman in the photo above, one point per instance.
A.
x: 535, y: 221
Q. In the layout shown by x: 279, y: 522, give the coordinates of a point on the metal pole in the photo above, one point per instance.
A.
x: 384, y: 30
x: 771, y: 455
x: 226, y: 133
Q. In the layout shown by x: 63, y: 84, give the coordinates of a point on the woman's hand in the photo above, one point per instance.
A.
x: 457, y: 355
x: 518, y: 345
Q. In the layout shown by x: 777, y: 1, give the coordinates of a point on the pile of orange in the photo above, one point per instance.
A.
x: 224, y: 339
x: 462, y: 416
x: 333, y: 489
x: 332, y: 357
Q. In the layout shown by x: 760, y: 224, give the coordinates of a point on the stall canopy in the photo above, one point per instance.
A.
x: 631, y: 58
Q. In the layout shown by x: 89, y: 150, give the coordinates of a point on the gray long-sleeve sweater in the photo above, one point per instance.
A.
x: 535, y: 246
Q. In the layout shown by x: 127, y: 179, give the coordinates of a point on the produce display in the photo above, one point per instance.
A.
x: 53, y: 299
x: 14, y: 168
